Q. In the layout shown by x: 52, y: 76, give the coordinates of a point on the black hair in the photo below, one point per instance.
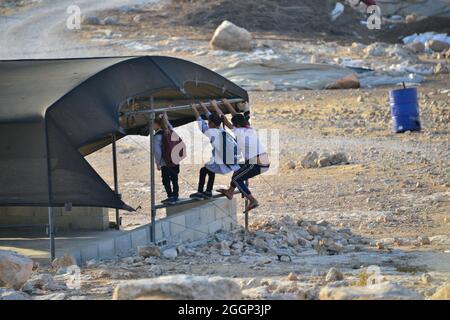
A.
x: 215, y: 118
x: 239, y: 120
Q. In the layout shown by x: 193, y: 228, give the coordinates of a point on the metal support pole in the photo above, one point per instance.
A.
x: 116, y: 183
x: 152, y: 173
x: 51, y: 228
x: 51, y: 234
x: 246, y: 213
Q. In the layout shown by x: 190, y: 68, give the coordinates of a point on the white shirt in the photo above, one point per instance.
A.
x: 248, y: 142
x: 216, y: 163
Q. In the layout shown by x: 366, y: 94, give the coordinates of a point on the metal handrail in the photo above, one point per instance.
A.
x: 176, y: 108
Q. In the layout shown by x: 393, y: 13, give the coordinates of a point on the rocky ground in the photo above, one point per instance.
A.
x: 322, y: 231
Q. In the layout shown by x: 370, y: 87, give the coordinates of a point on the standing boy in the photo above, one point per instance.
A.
x: 169, y: 174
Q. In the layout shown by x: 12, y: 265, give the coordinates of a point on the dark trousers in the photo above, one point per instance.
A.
x: 170, y: 180
x: 246, y: 172
x: 201, y: 180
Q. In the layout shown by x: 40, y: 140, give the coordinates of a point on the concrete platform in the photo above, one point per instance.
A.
x: 194, y: 223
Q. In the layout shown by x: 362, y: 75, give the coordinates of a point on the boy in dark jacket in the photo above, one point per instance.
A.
x: 169, y: 174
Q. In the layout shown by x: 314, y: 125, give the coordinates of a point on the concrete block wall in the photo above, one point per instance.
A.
x: 193, y: 224
x: 79, y: 218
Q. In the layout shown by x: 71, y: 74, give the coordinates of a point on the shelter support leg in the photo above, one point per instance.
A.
x: 51, y: 234
x: 245, y: 211
x: 152, y: 178
x: 116, y: 183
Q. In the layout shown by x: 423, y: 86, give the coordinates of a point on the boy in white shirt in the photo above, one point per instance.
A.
x: 255, y: 155
x: 217, y: 164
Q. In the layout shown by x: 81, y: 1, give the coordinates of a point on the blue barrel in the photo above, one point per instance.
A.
x: 405, y: 110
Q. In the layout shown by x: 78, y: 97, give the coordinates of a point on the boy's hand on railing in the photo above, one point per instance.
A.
x: 216, y: 107
x: 194, y: 109
x: 205, y: 109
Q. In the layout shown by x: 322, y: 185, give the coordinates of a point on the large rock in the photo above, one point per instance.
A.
x: 441, y: 68
x: 232, y: 38
x: 348, y: 82
x: 10, y: 294
x: 15, y: 269
x: 179, y: 287
x: 64, y: 262
x: 93, y: 20
x: 442, y: 293
x: 309, y: 161
x: 382, y: 291
x: 437, y: 46
x: 42, y: 281
x: 375, y: 50
x: 416, y: 47
x: 334, y: 275
x: 171, y: 253
x: 149, y: 251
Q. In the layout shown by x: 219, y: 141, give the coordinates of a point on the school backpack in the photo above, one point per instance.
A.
x: 230, y: 154
x: 174, y: 149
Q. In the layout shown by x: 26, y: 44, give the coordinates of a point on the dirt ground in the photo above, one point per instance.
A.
x: 286, y: 19
x: 395, y: 188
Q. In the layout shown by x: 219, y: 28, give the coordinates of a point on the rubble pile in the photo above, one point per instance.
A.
x: 284, y: 238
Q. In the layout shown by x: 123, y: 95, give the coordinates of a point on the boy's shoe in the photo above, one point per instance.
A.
x: 207, y: 195
x: 173, y: 200
x: 197, y: 195
x: 165, y: 201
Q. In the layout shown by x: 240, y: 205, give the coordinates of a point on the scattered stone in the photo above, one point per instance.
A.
x: 64, y: 262
x: 375, y: 50
x: 111, y: 21
x: 15, y: 269
x: 309, y: 161
x: 156, y: 270
x: 334, y: 275
x: 348, y: 82
x: 426, y: 278
x: 149, y: 251
x: 379, y: 245
x: 416, y: 47
x: 410, y: 18
x: 137, y: 18
x: 179, y: 287
x: 441, y: 68
x: 51, y: 296
x: 42, y: 281
x: 76, y: 298
x: 93, y: 20
x: 292, y: 164
x: 326, y: 160
x: 91, y: 263
x: 382, y: 291
x: 424, y: 240
x: 442, y: 293
x: 170, y: 253
x: 11, y: 294
x: 230, y: 37
x: 292, y: 277
x: 437, y: 46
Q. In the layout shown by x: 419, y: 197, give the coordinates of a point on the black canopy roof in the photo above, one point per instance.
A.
x: 55, y: 112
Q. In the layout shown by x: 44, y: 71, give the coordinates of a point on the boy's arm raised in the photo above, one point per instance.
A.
x: 229, y: 107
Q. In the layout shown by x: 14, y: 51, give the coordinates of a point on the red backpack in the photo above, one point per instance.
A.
x: 174, y: 149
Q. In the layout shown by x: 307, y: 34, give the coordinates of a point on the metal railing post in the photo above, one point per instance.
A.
x: 116, y: 183
x: 51, y: 234
x: 152, y: 174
